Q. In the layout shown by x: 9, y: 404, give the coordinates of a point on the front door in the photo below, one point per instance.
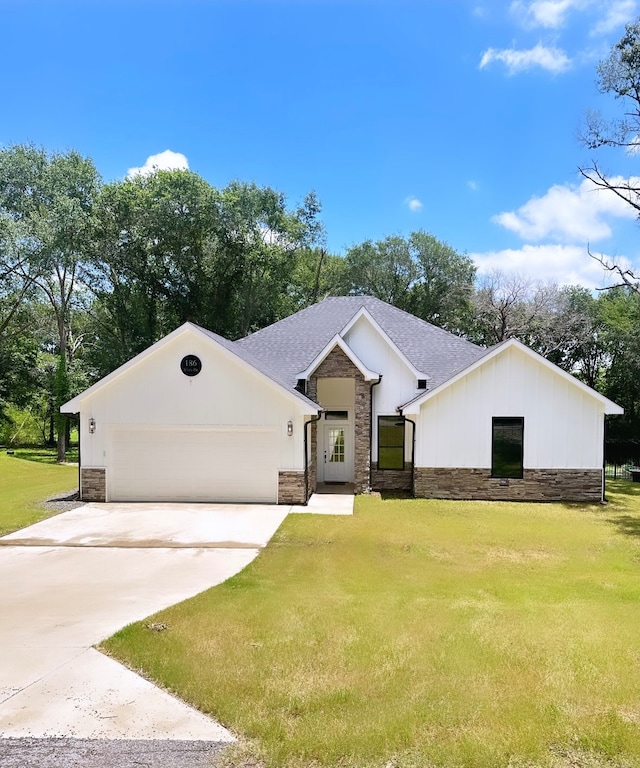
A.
x: 337, y: 461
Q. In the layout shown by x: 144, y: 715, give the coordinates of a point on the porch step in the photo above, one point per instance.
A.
x: 336, y: 500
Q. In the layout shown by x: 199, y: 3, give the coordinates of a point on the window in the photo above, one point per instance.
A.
x: 507, y: 441
x: 390, y: 442
x: 336, y: 415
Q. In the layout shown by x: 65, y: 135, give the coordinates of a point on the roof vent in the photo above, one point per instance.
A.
x: 422, y: 383
x: 301, y: 386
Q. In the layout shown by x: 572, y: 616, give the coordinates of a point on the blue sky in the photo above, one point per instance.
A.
x: 460, y: 117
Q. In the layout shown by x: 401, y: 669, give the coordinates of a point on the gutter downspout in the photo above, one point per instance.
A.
x: 373, y: 384
x: 306, y: 460
x: 79, y: 456
x: 413, y: 450
x: 604, y: 458
x: 76, y: 416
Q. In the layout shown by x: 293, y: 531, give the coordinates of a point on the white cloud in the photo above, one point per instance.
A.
x: 552, y: 59
x: 618, y: 13
x: 550, y: 14
x: 553, y: 14
x: 569, y: 214
x: 562, y: 264
x: 473, y: 185
x: 413, y: 204
x: 164, y: 161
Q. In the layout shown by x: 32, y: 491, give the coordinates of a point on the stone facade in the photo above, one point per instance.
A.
x: 312, y: 466
x: 391, y: 479
x: 93, y: 484
x: 291, y: 487
x: 536, y: 485
x: 337, y: 365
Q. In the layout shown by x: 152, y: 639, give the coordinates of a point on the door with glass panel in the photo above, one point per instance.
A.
x: 336, y: 458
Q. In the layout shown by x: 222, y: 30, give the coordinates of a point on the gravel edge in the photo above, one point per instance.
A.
x: 108, y: 753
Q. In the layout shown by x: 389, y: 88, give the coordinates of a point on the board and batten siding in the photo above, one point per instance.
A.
x: 155, y: 392
x: 399, y: 384
x: 563, y: 425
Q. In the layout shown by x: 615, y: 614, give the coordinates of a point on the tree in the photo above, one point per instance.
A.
x: 419, y: 274
x: 170, y: 248
x: 619, y: 310
x: 561, y: 323
x: 618, y: 76
x: 385, y: 269
x: 46, y: 204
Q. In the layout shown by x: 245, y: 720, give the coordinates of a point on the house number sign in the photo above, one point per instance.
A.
x: 190, y: 365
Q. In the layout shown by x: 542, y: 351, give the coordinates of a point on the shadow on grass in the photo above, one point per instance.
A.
x: 44, y: 455
x: 626, y: 524
x: 395, y: 495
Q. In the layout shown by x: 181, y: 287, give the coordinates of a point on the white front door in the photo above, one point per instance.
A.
x: 336, y: 456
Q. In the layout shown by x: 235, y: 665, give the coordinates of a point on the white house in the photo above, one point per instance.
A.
x: 349, y: 390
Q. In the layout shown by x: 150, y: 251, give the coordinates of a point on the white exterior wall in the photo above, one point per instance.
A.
x: 155, y: 393
x: 399, y: 383
x: 563, y: 426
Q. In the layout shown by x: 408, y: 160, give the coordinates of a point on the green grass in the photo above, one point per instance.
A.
x: 25, y: 483
x: 421, y: 633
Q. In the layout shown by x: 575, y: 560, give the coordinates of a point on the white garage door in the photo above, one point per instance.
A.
x: 193, y: 465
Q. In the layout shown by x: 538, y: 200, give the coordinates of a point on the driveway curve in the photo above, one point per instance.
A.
x: 74, y: 579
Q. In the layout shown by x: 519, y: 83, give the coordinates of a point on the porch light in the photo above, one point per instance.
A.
x: 92, y: 425
x: 289, y: 428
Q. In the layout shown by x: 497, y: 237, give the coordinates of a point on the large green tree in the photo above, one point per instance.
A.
x: 46, y: 209
x: 169, y: 247
x: 419, y: 273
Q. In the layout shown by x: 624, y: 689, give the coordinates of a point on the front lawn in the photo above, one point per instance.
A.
x: 421, y: 633
x: 25, y: 483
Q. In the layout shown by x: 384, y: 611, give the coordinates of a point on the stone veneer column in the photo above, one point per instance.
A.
x: 93, y: 484
x: 291, y: 487
x: 337, y: 365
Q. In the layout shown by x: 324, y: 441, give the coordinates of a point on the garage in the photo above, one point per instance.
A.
x: 192, y: 419
x: 193, y: 464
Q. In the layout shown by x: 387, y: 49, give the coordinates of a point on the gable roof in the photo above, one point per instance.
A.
x: 413, y: 406
x: 291, y: 345
x: 230, y: 347
x: 337, y: 341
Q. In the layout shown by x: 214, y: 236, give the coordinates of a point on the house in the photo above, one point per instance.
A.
x: 349, y: 390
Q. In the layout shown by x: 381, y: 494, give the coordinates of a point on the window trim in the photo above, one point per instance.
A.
x: 511, y: 421
x: 401, y: 447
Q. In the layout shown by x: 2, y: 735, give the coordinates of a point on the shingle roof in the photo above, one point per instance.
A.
x: 290, y: 345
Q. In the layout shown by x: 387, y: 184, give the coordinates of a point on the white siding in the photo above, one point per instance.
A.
x: 399, y: 383
x: 155, y: 393
x: 563, y: 426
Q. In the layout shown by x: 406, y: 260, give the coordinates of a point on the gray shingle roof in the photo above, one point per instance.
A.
x: 290, y: 345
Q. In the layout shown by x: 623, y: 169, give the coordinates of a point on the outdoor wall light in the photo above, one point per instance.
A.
x: 290, y: 428
x: 92, y: 425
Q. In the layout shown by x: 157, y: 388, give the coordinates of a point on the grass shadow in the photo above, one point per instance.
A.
x: 44, y: 455
x: 395, y: 495
x: 626, y: 524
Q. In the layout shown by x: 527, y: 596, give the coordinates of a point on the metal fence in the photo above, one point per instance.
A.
x: 620, y: 456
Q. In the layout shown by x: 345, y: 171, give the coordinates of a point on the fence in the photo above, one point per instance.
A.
x: 620, y: 456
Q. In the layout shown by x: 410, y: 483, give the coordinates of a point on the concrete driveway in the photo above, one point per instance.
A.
x: 69, y: 582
